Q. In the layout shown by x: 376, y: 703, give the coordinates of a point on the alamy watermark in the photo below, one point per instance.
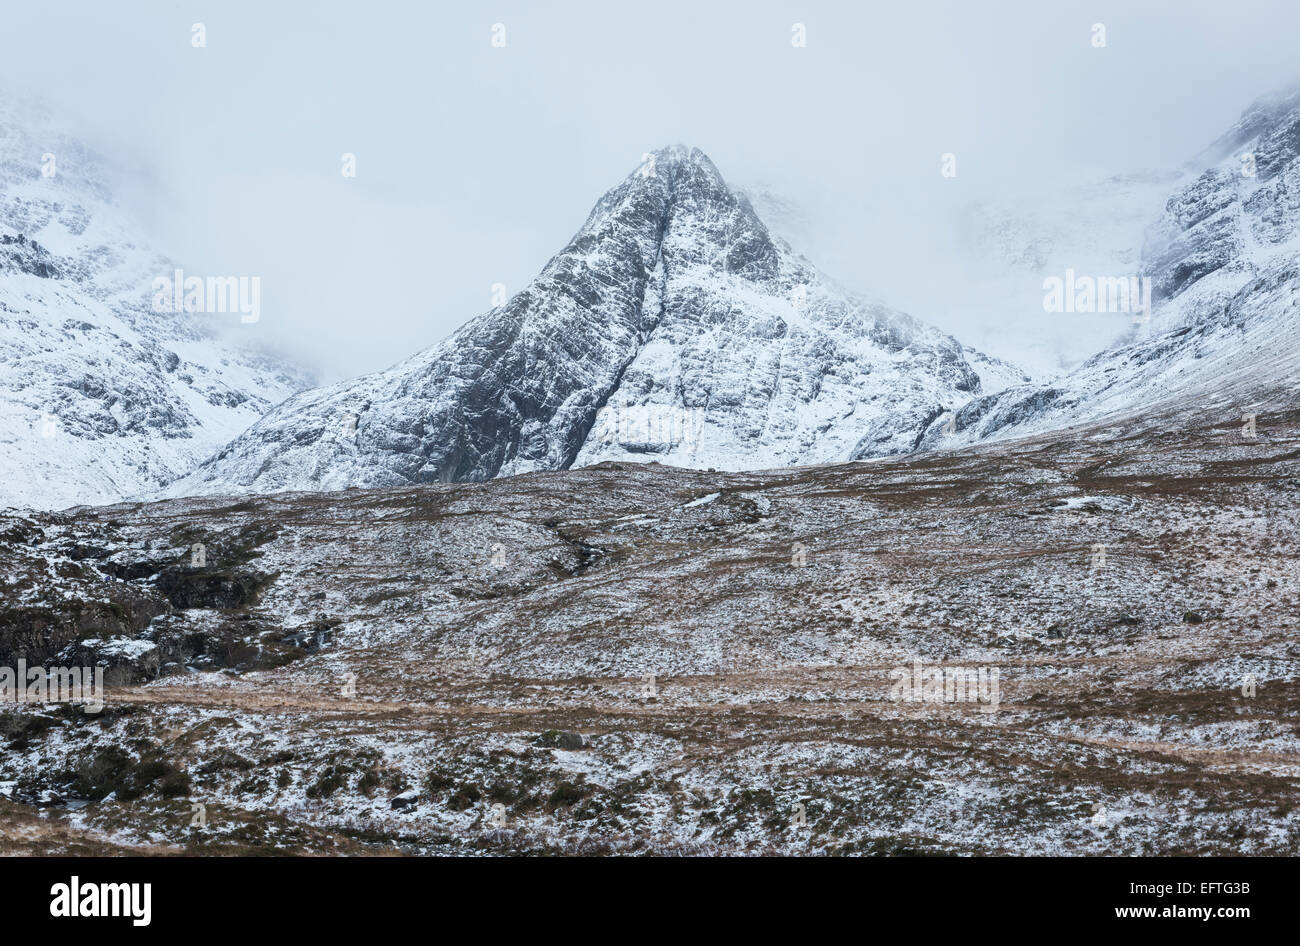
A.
x: 651, y: 428
x: 77, y: 899
x: 53, y: 685
x: 181, y: 293
x: 1077, y: 293
x: 921, y: 684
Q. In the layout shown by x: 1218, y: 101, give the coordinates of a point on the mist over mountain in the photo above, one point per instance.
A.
x: 904, y: 464
x: 102, y: 396
x: 673, y: 327
x: 1224, y: 328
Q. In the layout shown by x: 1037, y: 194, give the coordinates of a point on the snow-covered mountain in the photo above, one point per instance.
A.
x: 674, y: 326
x: 1011, y: 243
x: 101, y: 397
x: 1224, y: 264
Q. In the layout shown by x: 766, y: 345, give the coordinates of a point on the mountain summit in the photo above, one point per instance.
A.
x: 673, y: 326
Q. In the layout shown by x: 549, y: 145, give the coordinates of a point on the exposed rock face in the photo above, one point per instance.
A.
x: 1226, y: 281
x: 673, y: 326
x: 100, y: 396
x: 140, y: 610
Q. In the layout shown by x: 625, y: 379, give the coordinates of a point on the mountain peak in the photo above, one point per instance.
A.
x: 671, y: 160
x: 672, y: 305
x: 677, y: 195
x: 672, y: 170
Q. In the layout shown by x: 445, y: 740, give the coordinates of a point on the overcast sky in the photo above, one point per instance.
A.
x: 475, y: 164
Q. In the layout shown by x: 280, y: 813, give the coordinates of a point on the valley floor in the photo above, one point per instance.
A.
x: 639, y: 659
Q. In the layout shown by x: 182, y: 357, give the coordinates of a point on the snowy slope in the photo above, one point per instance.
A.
x: 1224, y: 260
x: 101, y: 397
x: 673, y: 327
x: 1010, y: 245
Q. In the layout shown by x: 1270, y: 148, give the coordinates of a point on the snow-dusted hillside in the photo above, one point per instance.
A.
x: 100, y: 396
x: 646, y: 659
x: 673, y: 326
x: 1224, y: 261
